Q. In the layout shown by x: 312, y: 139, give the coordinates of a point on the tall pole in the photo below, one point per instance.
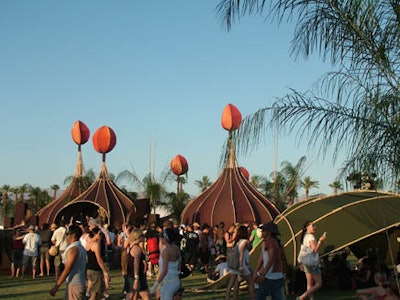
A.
x: 276, y: 142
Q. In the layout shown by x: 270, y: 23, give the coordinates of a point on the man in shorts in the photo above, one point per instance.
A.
x: 58, y: 239
x: 31, y: 243
x: 74, y: 272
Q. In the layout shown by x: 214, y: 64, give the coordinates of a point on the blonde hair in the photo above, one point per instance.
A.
x: 135, y: 235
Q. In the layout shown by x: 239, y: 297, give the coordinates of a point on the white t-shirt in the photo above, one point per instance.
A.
x: 222, y: 268
x: 307, y: 239
x: 58, y: 238
x: 32, y: 242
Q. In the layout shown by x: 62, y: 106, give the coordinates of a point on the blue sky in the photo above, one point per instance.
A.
x: 159, y: 73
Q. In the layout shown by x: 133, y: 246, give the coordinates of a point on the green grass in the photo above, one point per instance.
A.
x: 34, y: 289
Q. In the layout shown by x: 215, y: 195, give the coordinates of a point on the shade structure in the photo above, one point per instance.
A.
x: 102, y: 200
x: 230, y: 199
x: 357, y: 219
x: 48, y: 214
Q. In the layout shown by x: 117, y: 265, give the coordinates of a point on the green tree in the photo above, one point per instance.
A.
x: 275, y: 190
x: 203, y: 183
x: 55, y: 188
x: 307, y: 183
x: 177, y: 201
x: 14, y: 190
x: 153, y: 188
x: 336, y: 185
x: 292, y: 174
x: 84, y: 181
x: 353, y: 109
x: 23, y: 190
x: 5, y: 189
x: 37, y: 199
x: 257, y: 181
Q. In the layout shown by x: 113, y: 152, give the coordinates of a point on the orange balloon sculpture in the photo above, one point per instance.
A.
x: 231, y: 117
x: 80, y: 133
x: 179, y: 165
x: 104, y: 139
x: 245, y: 173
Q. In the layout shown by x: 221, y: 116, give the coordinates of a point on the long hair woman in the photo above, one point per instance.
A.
x: 313, y: 274
x: 170, y: 265
x: 244, y: 269
x: 136, y: 267
x: 269, y: 268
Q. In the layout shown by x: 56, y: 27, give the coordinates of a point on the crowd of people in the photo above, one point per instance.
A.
x: 81, y: 254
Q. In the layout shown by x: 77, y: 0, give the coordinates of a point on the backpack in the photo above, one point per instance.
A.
x: 233, y: 258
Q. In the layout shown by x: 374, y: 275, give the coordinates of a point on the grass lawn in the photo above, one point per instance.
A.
x: 34, y: 289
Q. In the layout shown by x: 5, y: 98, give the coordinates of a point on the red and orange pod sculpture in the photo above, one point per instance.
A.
x: 245, y: 173
x: 104, y: 139
x: 179, y: 165
x: 80, y: 133
x: 231, y: 117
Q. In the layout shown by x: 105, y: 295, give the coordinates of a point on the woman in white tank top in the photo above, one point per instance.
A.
x: 170, y: 265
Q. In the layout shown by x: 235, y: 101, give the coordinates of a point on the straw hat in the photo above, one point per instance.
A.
x: 53, y: 226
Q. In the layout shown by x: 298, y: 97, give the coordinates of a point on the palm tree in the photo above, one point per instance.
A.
x: 84, y: 181
x: 292, y: 174
x: 257, y: 181
x: 5, y: 189
x: 153, y: 188
x: 22, y: 190
x: 336, y: 185
x: 177, y: 203
x: 34, y: 196
x: 307, y: 183
x: 204, y: 183
x: 55, y: 188
x: 355, y: 107
x: 275, y: 190
x: 14, y: 190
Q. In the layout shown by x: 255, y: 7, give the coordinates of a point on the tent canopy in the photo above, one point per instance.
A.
x: 347, y: 218
x: 102, y: 200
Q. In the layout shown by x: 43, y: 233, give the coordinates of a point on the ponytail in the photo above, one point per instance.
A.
x: 303, y: 233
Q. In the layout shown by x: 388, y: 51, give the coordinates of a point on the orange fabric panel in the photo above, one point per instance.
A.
x: 245, y: 173
x: 179, y: 165
x: 104, y: 139
x: 80, y: 133
x: 231, y: 117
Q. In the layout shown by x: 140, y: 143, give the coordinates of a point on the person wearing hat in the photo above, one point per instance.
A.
x: 31, y: 243
x: 196, y: 228
x: 74, y: 272
x: 269, y: 268
x: 220, y: 270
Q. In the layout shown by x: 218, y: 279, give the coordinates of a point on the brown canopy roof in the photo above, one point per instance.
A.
x: 230, y: 199
x: 103, y: 200
x: 49, y: 213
